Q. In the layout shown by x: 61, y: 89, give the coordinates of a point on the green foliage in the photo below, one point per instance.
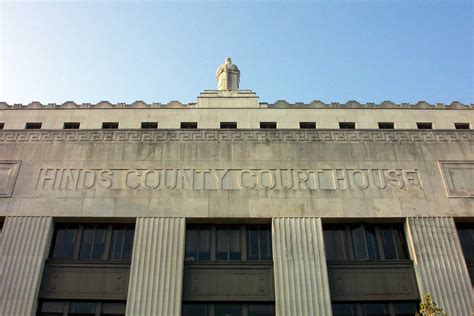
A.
x: 429, y: 308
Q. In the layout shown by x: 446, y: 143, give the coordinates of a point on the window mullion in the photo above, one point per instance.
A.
x: 108, y: 241
x: 66, y: 308
x: 77, y: 246
x: 98, y: 308
x: 378, y: 238
x: 349, y: 243
x: 213, y: 243
x: 243, y: 243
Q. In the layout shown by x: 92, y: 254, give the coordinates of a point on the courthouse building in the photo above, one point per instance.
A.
x: 235, y: 207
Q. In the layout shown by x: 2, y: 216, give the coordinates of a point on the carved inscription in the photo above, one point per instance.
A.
x: 227, y: 179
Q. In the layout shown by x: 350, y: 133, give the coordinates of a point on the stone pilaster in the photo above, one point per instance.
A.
x: 439, y: 263
x: 156, y: 275
x: 301, y: 278
x: 24, y: 246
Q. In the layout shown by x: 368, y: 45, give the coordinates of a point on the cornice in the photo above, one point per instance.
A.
x: 243, y: 135
x: 281, y: 104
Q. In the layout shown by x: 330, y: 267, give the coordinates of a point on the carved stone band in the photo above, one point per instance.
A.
x: 213, y: 135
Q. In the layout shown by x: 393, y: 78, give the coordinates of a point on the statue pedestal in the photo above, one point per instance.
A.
x: 223, y: 99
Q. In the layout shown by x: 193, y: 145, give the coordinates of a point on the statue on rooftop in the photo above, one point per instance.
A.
x: 228, y: 76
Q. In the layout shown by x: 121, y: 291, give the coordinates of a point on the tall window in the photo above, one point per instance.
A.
x: 93, y: 242
x: 228, y: 243
x: 364, y: 242
x: 466, y: 237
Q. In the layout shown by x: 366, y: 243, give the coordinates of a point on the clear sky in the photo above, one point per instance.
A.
x: 299, y: 51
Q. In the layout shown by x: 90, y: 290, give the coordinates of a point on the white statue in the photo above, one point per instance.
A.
x: 228, y: 76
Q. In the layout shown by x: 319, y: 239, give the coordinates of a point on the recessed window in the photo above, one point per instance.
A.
x: 424, y: 125
x: 466, y: 237
x: 149, y: 125
x: 93, y: 242
x: 375, y: 308
x: 228, y: 243
x: 32, y: 125
x: 386, y: 125
x: 228, y: 124
x: 462, y: 125
x: 71, y: 125
x: 189, y: 125
x: 69, y: 307
x: 308, y: 125
x: 364, y: 242
x: 268, y: 125
x: 228, y: 309
x: 2, y: 125
x: 110, y: 125
x: 347, y: 125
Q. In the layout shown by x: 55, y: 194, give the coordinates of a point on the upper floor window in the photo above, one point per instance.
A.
x: 308, y: 125
x: 33, y: 125
x: 71, y: 125
x: 83, y: 308
x: 110, y: 125
x: 189, y: 125
x: 268, y: 125
x: 466, y: 237
x: 347, y: 125
x: 93, y: 242
x: 228, y: 243
x: 386, y: 125
x: 149, y: 125
x: 375, y: 309
x: 228, y: 125
x: 228, y: 309
x: 2, y: 125
x: 364, y: 242
x: 424, y: 125
x: 462, y: 125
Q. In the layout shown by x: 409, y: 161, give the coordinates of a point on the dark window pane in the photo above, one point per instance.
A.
x: 228, y: 310
x: 343, y: 309
x: 191, y: 245
x: 228, y: 124
x: 265, y: 244
x: 252, y: 243
x: 234, y: 244
x: 222, y: 243
x: 405, y: 309
x: 358, y: 240
x: 122, y: 243
x: 128, y: 243
x: 261, y: 310
x: 71, y: 125
x: 116, y: 246
x: 92, y: 243
x: 388, y: 244
x: 371, y: 242
x: 52, y: 308
x: 375, y: 309
x: 113, y: 309
x: 64, y: 242
x: 466, y: 237
x: 335, y: 242
x: 195, y: 310
x: 268, y: 125
x: 82, y: 308
x: 204, y: 244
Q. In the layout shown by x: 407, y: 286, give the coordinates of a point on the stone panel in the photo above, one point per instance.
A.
x: 458, y: 178
x: 8, y: 173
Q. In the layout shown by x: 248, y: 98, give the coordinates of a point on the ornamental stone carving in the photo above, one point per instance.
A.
x: 228, y: 76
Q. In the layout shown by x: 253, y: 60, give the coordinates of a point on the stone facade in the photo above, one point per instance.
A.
x: 175, y: 175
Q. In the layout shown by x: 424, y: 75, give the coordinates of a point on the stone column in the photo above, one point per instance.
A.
x: 156, y: 274
x: 439, y: 263
x: 301, y: 277
x: 24, y: 246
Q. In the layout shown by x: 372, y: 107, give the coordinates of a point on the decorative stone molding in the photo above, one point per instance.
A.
x: 244, y: 135
x: 455, y: 105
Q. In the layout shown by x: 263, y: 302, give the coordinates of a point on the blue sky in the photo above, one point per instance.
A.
x: 299, y: 51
